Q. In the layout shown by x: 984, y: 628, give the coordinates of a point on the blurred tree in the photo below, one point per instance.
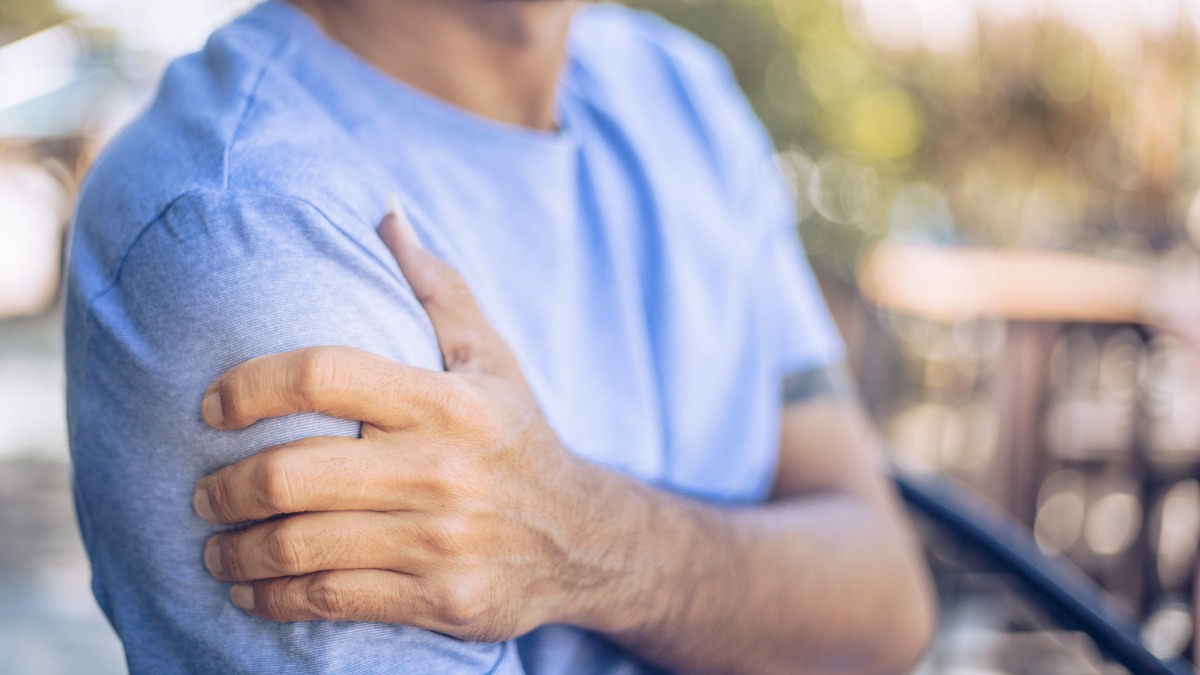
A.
x: 846, y: 125
x: 19, y: 18
x: 1023, y: 130
x: 1044, y: 124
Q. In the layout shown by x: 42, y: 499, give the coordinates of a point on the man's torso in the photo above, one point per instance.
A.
x: 622, y: 258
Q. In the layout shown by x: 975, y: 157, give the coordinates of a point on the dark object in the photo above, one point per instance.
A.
x: 1060, y: 590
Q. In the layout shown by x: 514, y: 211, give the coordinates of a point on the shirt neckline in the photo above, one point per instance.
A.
x: 395, y: 92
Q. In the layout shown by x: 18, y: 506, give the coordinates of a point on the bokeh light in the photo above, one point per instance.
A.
x: 31, y: 213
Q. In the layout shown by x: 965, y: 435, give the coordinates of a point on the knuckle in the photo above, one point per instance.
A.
x: 218, y: 496
x: 465, y: 346
x: 453, y: 480
x: 232, y: 566
x: 458, y: 402
x: 279, y: 484
x: 270, y: 599
x: 456, y: 288
x: 448, y: 538
x: 327, y: 598
x: 462, y: 603
x: 317, y: 372
x: 471, y: 490
x: 450, y: 287
x: 231, y: 395
x: 451, y: 394
x: 286, y: 550
x: 442, y: 473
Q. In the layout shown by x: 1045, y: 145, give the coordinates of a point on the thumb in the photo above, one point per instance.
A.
x: 466, y: 338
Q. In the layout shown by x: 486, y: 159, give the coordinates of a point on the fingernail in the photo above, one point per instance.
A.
x: 242, y: 596
x: 210, y: 409
x: 404, y: 227
x: 212, y: 556
x: 393, y: 203
x: 202, y: 506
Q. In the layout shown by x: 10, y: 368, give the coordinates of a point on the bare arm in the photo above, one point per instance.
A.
x: 823, y: 579
x: 468, y: 517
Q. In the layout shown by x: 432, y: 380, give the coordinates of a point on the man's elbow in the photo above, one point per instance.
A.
x: 907, y: 621
x: 917, y: 624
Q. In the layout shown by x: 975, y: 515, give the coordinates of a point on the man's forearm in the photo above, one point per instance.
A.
x: 822, y: 583
x: 465, y: 515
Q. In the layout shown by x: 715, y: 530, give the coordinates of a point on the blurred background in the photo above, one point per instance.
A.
x: 1055, y: 125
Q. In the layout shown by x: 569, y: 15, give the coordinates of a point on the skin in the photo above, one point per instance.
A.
x: 500, y: 59
x: 460, y: 511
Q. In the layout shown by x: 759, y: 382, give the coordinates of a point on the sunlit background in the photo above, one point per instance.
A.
x: 1067, y: 125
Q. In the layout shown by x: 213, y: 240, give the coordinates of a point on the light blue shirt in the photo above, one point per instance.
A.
x: 641, y: 261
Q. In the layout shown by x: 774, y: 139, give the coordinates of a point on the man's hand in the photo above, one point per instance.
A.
x: 452, y: 512
x: 459, y: 511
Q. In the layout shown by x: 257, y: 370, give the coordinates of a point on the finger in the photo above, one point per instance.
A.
x: 343, y: 382
x: 341, y: 595
x: 314, y: 474
x: 315, y: 542
x: 468, y: 341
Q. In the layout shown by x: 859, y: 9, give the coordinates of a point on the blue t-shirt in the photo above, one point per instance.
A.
x: 641, y: 261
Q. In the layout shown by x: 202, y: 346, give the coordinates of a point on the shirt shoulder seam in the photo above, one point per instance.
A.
x: 251, y: 98
x: 91, y: 300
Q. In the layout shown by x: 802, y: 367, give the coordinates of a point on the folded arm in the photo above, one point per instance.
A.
x: 823, y: 578
x: 459, y: 511
x: 224, y: 277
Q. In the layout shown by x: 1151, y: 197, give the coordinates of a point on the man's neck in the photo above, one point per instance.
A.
x: 497, y: 58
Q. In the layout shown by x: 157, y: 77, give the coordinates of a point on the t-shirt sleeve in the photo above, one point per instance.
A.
x: 789, y: 294
x: 808, y: 337
x: 218, y: 279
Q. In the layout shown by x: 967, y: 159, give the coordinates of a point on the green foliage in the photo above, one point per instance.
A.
x: 821, y: 95
x: 1032, y: 133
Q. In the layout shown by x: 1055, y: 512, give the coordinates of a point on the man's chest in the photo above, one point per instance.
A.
x: 632, y: 307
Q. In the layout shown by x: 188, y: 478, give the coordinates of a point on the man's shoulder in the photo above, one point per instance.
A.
x: 226, y: 126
